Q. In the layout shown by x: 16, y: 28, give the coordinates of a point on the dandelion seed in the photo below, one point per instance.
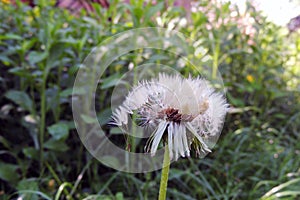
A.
x: 185, y: 112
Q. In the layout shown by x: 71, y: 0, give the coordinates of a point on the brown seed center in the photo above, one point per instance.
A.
x: 173, y: 115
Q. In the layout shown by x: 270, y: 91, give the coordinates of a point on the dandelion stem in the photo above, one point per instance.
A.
x: 164, y: 176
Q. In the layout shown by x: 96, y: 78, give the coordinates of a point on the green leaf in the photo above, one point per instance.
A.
x: 199, y: 18
x: 56, y: 52
x: 119, y: 196
x: 138, y: 12
x: 235, y: 101
x: 8, y: 172
x: 69, y: 40
x: 56, y: 145
x: 116, y: 131
x: 20, y: 98
x: 31, y: 153
x: 59, y: 131
x: 20, y: 71
x: 158, y: 57
x: 90, y: 20
x: 110, y: 161
x: 52, y: 97
x: 28, y: 184
x: 10, y: 36
x: 5, y: 59
x: 27, y: 44
x: 104, y: 116
x: 72, y: 91
x: 110, y: 81
x: 4, y: 142
x: 35, y: 57
x: 154, y: 9
x: 88, y: 119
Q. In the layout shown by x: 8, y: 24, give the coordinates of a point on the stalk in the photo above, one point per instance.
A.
x: 216, y: 59
x: 164, y: 176
x: 43, y: 118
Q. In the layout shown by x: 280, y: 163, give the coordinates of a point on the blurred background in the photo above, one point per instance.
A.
x: 254, y: 44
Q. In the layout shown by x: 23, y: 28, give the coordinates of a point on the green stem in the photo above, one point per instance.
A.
x: 43, y: 117
x: 57, y: 108
x: 55, y: 176
x: 216, y: 59
x: 164, y: 176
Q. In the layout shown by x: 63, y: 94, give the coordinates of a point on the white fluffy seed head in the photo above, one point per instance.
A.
x: 179, y: 106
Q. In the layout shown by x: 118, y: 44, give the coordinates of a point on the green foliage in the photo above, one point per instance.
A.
x: 41, y: 155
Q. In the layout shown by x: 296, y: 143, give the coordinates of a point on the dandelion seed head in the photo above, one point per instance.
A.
x: 188, y: 110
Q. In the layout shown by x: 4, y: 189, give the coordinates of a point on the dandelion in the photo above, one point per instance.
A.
x: 182, y: 112
x: 250, y: 78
